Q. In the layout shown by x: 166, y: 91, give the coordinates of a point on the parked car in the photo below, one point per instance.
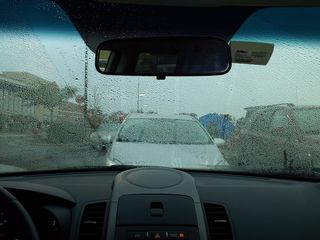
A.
x: 282, y: 136
x: 161, y: 140
x: 101, y: 138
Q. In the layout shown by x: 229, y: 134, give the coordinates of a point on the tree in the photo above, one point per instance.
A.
x: 48, y: 95
x: 96, y: 97
x: 116, y: 117
x: 95, y: 117
x: 213, y: 130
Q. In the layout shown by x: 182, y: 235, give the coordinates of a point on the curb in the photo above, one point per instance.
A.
x: 71, y: 145
x: 22, y: 136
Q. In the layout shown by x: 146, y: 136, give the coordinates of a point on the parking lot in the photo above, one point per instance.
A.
x: 35, y: 153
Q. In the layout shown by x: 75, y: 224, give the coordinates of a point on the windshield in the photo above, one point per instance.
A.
x: 308, y: 120
x: 53, y: 100
x: 113, y: 127
x: 163, y: 131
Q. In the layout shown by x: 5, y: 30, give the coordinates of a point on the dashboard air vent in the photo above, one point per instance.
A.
x: 218, y: 222
x: 92, y: 221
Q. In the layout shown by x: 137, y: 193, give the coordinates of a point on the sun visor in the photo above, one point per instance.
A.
x: 251, y: 52
x: 98, y: 22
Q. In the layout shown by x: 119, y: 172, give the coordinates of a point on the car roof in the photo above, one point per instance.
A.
x: 161, y: 116
x: 253, y: 111
x: 307, y: 107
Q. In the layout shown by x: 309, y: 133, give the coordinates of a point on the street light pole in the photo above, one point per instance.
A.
x: 141, y: 104
x: 138, y: 95
x: 140, y: 101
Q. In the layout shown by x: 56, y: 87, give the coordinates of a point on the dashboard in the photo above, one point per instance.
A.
x: 162, y: 203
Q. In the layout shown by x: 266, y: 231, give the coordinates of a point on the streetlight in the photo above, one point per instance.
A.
x: 138, y: 103
x: 143, y: 106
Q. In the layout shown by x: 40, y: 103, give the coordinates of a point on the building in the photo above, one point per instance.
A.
x: 14, y: 109
x: 20, y: 114
x: 70, y: 112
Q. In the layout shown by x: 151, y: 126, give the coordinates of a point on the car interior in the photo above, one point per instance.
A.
x: 125, y: 202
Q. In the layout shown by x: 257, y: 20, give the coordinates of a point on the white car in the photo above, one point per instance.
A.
x: 100, y: 139
x: 177, y: 141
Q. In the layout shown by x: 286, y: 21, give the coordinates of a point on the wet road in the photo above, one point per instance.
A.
x: 37, y: 154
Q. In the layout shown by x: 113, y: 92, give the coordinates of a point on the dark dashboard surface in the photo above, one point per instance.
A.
x: 254, y: 207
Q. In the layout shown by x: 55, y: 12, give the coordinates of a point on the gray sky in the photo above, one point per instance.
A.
x: 290, y: 76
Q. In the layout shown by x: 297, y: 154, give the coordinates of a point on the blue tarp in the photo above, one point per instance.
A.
x: 224, y: 127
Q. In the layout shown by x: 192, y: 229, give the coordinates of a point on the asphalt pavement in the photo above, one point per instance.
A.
x: 35, y: 153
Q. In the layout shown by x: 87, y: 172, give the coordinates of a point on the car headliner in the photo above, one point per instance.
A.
x: 101, y: 20
x: 218, y: 3
x: 97, y: 22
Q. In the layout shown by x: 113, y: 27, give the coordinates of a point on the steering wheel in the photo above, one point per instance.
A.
x: 17, y: 213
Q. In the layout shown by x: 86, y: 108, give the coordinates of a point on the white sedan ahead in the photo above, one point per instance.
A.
x: 177, y: 141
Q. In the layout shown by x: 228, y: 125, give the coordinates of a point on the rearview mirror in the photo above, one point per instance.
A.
x: 163, y: 57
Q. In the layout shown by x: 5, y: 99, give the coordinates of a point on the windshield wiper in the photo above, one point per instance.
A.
x: 93, y: 168
x: 295, y: 174
x: 299, y: 175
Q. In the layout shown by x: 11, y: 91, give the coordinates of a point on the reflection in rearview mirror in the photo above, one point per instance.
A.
x: 163, y: 57
x: 103, y: 59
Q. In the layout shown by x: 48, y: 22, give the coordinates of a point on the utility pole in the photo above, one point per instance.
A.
x: 297, y: 99
x: 86, y: 70
x: 86, y: 81
x: 86, y: 6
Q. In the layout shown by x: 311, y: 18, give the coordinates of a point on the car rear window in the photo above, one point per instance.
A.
x: 163, y: 131
x: 308, y: 120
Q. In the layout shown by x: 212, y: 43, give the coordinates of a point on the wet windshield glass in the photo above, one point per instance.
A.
x: 112, y: 127
x: 308, y: 120
x: 163, y: 131
x: 54, y: 103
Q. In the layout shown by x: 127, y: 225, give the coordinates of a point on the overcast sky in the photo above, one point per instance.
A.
x: 292, y: 75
